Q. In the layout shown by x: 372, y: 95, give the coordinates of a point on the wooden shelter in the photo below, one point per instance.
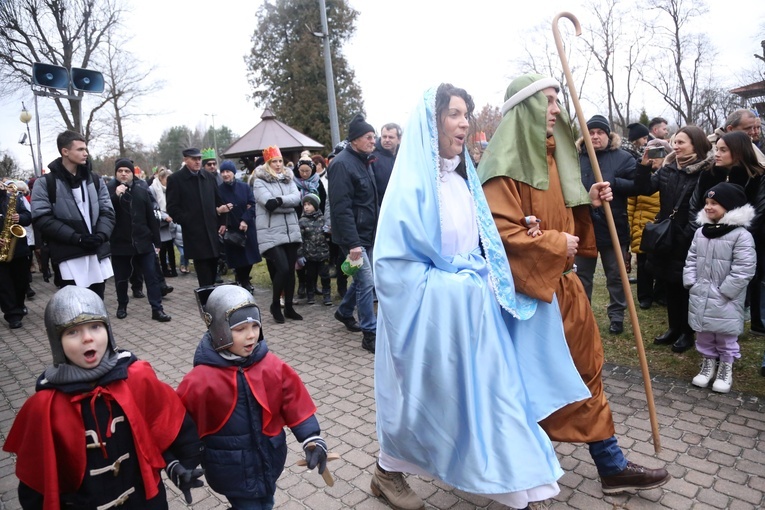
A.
x: 270, y: 131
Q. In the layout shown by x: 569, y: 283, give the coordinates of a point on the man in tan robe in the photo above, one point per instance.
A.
x: 525, y: 173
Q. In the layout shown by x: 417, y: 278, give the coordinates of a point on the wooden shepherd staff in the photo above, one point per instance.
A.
x: 611, y: 227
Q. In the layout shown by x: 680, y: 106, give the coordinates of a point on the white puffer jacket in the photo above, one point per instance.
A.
x: 279, y: 226
x: 718, y: 270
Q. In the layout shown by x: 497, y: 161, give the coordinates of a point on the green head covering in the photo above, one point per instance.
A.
x: 518, y: 149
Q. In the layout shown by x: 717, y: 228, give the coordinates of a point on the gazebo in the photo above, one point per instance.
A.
x: 270, y: 131
x: 754, y: 93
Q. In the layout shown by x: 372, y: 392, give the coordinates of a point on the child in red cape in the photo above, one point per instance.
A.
x: 101, y: 425
x: 242, y: 396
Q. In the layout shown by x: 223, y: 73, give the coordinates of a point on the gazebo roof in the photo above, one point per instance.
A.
x: 270, y: 131
x: 751, y: 90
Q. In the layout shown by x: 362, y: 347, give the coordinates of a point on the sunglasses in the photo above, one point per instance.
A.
x: 211, y: 163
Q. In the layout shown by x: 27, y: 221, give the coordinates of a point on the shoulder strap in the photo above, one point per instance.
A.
x: 50, y: 181
x: 680, y: 199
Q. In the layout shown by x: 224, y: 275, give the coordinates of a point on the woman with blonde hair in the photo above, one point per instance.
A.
x: 277, y: 227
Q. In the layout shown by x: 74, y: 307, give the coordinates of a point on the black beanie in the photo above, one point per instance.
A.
x: 359, y: 127
x: 729, y: 196
x: 636, y: 131
x: 123, y: 163
x: 599, y: 122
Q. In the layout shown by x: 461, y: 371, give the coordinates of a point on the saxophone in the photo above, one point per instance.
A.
x: 12, y: 232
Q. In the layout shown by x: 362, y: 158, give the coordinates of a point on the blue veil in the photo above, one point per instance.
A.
x: 465, y: 367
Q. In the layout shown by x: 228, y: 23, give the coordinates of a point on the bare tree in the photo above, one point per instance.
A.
x: 617, y: 48
x: 541, y: 57
x: 125, y: 84
x: 688, y: 56
x: 66, y: 33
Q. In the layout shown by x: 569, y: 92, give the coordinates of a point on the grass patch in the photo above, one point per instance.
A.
x: 621, y: 350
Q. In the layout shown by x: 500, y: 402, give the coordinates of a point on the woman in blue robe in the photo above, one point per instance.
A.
x: 465, y: 367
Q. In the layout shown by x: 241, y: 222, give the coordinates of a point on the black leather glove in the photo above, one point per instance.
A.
x: 315, y: 453
x: 273, y: 203
x: 184, y: 479
x: 90, y: 242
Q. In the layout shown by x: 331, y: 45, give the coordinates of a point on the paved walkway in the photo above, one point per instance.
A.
x: 713, y: 445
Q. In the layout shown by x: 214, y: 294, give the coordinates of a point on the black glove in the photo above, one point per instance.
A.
x: 316, y: 453
x: 90, y: 242
x: 184, y: 479
x: 273, y: 203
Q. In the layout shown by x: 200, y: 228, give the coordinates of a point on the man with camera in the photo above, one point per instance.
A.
x: 135, y: 239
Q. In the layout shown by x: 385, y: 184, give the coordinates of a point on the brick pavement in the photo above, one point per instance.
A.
x: 713, y: 445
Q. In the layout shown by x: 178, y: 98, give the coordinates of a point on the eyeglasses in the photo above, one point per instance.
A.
x: 211, y: 163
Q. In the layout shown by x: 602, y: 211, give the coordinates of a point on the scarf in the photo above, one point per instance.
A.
x: 159, y: 194
x: 714, y: 230
x: 518, y: 149
x: 310, y: 185
x: 684, y: 161
x: 67, y: 373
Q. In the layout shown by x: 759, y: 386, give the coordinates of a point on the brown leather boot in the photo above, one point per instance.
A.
x: 392, y: 487
x: 634, y: 478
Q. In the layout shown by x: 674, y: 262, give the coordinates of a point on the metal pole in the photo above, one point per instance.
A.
x: 333, y: 124
x: 38, y: 171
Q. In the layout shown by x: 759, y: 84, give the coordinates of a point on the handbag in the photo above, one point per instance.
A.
x: 658, y: 237
x: 235, y: 238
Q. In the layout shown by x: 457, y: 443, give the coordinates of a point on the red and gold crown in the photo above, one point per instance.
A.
x: 271, y: 152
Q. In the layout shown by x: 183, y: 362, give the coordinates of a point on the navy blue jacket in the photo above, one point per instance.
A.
x: 239, y: 460
x: 239, y: 194
x: 617, y: 166
x: 353, y: 200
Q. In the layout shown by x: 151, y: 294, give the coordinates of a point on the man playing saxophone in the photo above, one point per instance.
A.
x: 14, y: 266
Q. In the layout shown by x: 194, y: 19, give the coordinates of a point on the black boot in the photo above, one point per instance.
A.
x: 368, y: 341
x: 301, y: 291
x: 667, y: 338
x: 683, y: 343
x: 276, y: 311
x: 310, y: 298
x: 290, y: 312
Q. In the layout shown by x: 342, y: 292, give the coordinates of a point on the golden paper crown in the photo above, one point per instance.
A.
x: 271, y: 152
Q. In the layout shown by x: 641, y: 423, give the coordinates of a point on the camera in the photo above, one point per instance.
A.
x: 656, y: 152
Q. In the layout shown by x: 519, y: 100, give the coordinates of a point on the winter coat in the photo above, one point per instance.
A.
x: 754, y: 187
x: 191, y: 202
x: 25, y: 220
x: 136, y: 231
x: 353, y: 194
x: 239, y: 194
x: 617, y: 167
x: 240, y: 460
x: 382, y: 167
x: 279, y: 226
x: 315, y: 245
x: 165, y: 227
x: 61, y: 223
x: 718, y: 270
x: 670, y: 181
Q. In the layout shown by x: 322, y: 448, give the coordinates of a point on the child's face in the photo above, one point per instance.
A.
x: 85, y: 344
x: 245, y: 337
x: 714, y: 210
x: 308, y: 208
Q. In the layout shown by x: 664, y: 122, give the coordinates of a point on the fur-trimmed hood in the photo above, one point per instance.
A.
x: 739, y: 217
x: 615, y: 142
x: 261, y: 173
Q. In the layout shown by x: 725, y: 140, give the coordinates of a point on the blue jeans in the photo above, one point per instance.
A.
x: 266, y: 503
x: 608, y: 457
x: 360, y: 294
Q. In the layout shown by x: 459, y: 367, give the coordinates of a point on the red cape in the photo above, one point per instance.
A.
x: 209, y: 394
x: 48, y: 435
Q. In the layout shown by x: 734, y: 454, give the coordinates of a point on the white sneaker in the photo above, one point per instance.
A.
x: 724, y: 378
x: 708, y: 368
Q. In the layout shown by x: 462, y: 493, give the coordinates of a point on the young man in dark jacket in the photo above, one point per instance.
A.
x: 76, y: 216
x: 617, y: 166
x: 135, y: 240
x: 354, y: 210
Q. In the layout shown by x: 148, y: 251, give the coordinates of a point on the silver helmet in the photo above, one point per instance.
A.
x: 222, y: 303
x: 71, y: 306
